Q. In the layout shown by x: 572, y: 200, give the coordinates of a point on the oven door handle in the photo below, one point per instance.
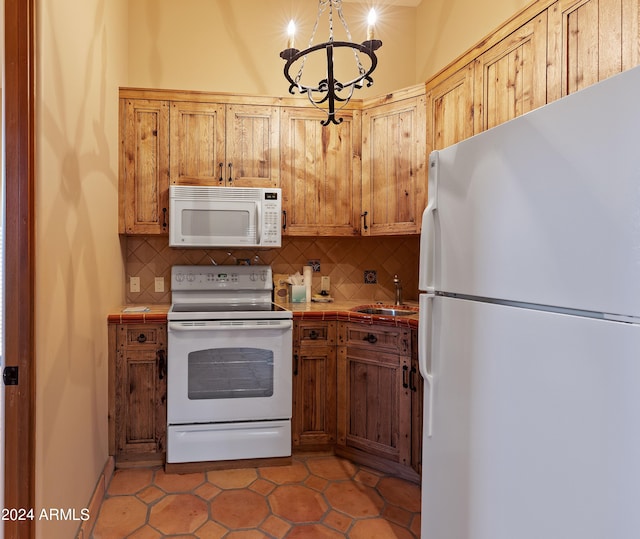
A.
x: 180, y: 326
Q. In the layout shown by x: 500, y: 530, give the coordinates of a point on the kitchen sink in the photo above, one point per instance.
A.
x: 386, y: 311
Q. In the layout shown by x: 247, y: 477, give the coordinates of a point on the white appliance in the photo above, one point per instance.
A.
x: 229, y: 385
x: 530, y: 325
x: 206, y: 216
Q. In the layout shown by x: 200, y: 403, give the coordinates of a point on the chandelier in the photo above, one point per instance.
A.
x: 329, y: 91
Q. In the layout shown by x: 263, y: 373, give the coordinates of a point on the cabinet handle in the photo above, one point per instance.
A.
x: 162, y: 364
x: 284, y: 219
x: 142, y: 338
x: 295, y: 364
x: 230, y: 175
x: 412, y: 383
x: 405, y: 376
x: 164, y: 217
x: 371, y: 338
x: 221, y: 179
x: 313, y: 335
x: 364, y: 219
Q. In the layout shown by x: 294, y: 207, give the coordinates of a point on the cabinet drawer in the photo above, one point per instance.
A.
x: 309, y: 333
x: 142, y: 335
x: 382, y: 338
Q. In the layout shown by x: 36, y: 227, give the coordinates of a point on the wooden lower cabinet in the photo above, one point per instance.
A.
x: 137, y: 392
x: 313, y: 425
x: 375, y: 397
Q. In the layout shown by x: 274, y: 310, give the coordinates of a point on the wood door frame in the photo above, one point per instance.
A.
x: 19, y: 473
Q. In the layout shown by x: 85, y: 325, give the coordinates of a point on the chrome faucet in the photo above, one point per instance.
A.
x: 398, y: 286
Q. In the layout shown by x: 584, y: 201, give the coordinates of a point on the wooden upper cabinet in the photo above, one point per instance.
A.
x: 590, y: 40
x: 144, y: 167
x: 450, y: 110
x: 224, y: 145
x: 253, y: 153
x: 320, y: 173
x: 510, y: 77
x: 198, y: 144
x: 393, y: 167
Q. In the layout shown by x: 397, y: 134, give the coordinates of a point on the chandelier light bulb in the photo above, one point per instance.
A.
x: 291, y: 33
x: 371, y: 22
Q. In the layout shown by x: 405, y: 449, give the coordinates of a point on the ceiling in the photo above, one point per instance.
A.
x: 412, y: 3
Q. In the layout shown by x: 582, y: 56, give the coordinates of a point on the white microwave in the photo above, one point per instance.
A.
x: 203, y: 216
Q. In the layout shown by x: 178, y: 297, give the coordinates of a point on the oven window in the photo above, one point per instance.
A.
x: 230, y: 373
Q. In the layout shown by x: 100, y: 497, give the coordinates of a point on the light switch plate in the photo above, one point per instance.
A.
x: 134, y: 284
x: 159, y: 284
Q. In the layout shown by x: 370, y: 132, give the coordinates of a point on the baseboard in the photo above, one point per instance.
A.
x: 86, y: 528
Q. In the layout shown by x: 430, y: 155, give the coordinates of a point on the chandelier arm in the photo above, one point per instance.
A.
x: 293, y: 55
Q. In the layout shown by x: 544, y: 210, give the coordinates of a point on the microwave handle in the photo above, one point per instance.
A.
x: 258, y: 223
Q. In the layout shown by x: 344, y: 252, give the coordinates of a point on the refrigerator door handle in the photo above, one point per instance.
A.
x: 427, y: 238
x: 424, y: 351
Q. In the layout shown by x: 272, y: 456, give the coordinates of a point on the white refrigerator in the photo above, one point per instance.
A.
x: 530, y: 325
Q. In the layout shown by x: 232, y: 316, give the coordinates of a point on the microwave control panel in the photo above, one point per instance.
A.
x: 271, y: 219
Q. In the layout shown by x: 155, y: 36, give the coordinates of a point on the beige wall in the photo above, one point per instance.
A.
x: 447, y: 28
x: 79, y: 264
x: 234, y: 45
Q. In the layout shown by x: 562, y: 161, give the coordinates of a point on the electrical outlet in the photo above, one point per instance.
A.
x: 159, y: 283
x: 134, y: 284
x: 315, y: 264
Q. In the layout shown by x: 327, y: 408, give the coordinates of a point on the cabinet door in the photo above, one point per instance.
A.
x: 144, y: 166
x: 252, y: 152
x: 197, y: 144
x: 314, y: 385
x: 393, y: 168
x: 374, y: 398
x: 590, y: 40
x: 140, y: 390
x: 510, y: 78
x: 377, y: 415
x: 450, y: 110
x: 320, y: 173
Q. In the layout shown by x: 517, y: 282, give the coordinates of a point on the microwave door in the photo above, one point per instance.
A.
x: 225, y: 223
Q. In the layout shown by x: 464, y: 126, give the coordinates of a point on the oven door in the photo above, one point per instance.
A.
x: 229, y: 370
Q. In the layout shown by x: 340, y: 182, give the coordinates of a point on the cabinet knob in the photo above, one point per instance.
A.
x: 313, y: 335
x: 370, y: 338
x: 142, y: 338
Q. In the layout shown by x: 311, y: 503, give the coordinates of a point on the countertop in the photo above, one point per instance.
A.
x: 335, y: 310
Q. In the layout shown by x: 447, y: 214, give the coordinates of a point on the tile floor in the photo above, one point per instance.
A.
x: 316, y: 497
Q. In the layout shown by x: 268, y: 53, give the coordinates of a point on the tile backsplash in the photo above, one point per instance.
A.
x: 344, y: 260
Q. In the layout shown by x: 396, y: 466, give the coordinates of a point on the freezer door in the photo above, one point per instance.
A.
x: 534, y: 425
x: 543, y: 209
